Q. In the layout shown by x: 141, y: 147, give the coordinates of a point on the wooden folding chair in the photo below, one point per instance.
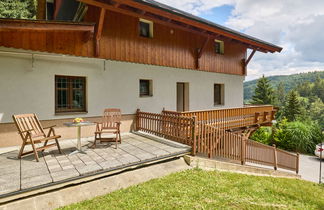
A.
x: 110, y: 123
x: 32, y: 132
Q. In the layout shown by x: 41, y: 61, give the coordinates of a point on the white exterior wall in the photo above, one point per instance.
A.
x: 24, y: 89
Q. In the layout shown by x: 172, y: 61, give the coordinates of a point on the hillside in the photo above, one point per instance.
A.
x: 290, y: 82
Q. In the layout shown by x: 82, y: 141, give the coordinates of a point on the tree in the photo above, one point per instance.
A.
x: 280, y: 94
x: 263, y: 93
x: 319, y: 88
x: 292, y: 107
x: 21, y: 9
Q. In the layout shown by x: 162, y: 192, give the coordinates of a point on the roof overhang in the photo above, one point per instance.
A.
x: 41, y: 25
x: 167, y: 15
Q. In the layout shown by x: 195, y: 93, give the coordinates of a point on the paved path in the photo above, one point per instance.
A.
x: 309, y: 168
x: 26, y: 173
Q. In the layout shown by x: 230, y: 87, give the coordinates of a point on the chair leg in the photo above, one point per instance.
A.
x: 58, y: 146
x: 21, y: 149
x: 45, y: 143
x: 119, y: 136
x: 35, y: 151
x: 116, y: 140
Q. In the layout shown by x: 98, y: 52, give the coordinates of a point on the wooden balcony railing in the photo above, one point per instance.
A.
x: 233, y: 117
x: 208, y: 132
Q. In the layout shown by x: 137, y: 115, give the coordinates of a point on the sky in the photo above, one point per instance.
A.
x: 295, y: 25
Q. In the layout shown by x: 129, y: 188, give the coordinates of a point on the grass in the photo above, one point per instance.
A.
x: 197, y: 189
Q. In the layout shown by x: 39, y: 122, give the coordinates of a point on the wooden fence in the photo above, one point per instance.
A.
x: 233, y: 117
x: 176, y: 128
x: 216, y: 142
x: 207, y: 137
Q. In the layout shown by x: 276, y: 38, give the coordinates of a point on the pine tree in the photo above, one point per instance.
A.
x: 280, y: 94
x: 293, y: 107
x: 263, y: 93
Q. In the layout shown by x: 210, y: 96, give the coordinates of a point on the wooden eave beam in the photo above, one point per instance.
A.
x: 138, y: 15
x: 250, y: 57
x: 169, y: 15
x: 18, y: 25
x: 201, y: 50
x: 99, y: 32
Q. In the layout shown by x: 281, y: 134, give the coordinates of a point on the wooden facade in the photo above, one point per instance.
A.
x: 177, y: 42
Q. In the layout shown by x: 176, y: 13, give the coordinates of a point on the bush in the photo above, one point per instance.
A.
x: 294, y: 136
x: 262, y: 135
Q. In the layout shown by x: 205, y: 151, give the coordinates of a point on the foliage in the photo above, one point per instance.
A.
x: 293, y: 108
x: 290, y: 82
x: 21, y: 9
x: 263, y: 135
x: 197, y: 189
x: 280, y: 92
x: 295, y: 136
x: 264, y: 93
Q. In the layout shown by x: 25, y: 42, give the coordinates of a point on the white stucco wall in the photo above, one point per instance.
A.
x: 24, y: 89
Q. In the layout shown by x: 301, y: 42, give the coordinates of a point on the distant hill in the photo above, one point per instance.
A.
x: 290, y: 82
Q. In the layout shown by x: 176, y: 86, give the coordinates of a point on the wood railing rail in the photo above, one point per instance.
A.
x: 232, y: 117
x: 177, y: 128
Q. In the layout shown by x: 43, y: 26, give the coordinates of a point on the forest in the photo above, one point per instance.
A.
x: 300, y: 120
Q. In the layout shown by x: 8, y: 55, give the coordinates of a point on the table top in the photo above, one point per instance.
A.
x: 72, y: 124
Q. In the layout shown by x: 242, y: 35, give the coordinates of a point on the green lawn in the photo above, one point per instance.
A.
x: 197, y: 189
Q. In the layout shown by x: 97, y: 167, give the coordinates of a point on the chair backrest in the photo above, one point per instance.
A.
x: 25, y: 122
x: 110, y: 118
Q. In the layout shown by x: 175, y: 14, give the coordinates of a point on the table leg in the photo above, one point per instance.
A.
x: 79, y: 139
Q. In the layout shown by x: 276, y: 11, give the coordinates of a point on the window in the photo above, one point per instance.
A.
x: 218, y: 94
x: 146, y: 88
x: 146, y: 28
x: 70, y: 94
x: 219, y: 47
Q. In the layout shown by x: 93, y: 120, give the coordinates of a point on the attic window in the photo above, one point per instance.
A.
x: 145, y: 28
x: 219, y: 47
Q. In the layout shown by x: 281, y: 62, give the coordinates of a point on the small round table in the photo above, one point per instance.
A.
x: 78, y: 125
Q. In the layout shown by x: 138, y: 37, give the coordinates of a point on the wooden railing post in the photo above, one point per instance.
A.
x: 297, y: 163
x: 243, y: 149
x: 137, y: 123
x: 193, y: 136
x: 275, y: 164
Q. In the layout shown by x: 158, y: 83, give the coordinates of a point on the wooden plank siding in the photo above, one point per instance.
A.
x: 120, y: 41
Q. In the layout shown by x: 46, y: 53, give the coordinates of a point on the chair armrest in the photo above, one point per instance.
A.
x: 48, y: 127
x: 26, y: 131
x: 118, y: 123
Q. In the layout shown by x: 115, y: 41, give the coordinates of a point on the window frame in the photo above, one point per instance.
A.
x: 151, y: 28
x: 150, y: 88
x: 70, y: 95
x: 221, y: 94
x: 221, y: 47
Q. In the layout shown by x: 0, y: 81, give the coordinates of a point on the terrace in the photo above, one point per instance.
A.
x: 157, y: 137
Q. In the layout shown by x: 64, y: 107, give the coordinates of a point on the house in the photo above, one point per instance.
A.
x: 82, y: 56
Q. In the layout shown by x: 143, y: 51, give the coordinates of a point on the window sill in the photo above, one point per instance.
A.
x: 69, y: 113
x: 217, y: 105
x: 146, y: 96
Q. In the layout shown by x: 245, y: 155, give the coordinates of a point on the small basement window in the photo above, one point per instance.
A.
x: 218, y: 94
x: 70, y: 94
x: 146, y: 28
x: 219, y: 47
x: 146, y: 88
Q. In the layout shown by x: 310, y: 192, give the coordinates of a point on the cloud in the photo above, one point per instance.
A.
x: 296, y: 25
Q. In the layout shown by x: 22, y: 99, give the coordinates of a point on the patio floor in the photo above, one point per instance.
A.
x: 20, y: 175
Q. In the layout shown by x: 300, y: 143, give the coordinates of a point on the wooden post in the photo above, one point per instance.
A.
x: 243, y: 147
x: 137, y: 123
x: 193, y: 136
x: 275, y: 165
x: 297, y: 164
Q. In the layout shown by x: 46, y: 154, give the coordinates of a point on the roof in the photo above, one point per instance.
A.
x: 204, y: 21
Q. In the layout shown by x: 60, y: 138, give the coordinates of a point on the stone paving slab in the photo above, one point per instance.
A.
x: 18, y: 174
